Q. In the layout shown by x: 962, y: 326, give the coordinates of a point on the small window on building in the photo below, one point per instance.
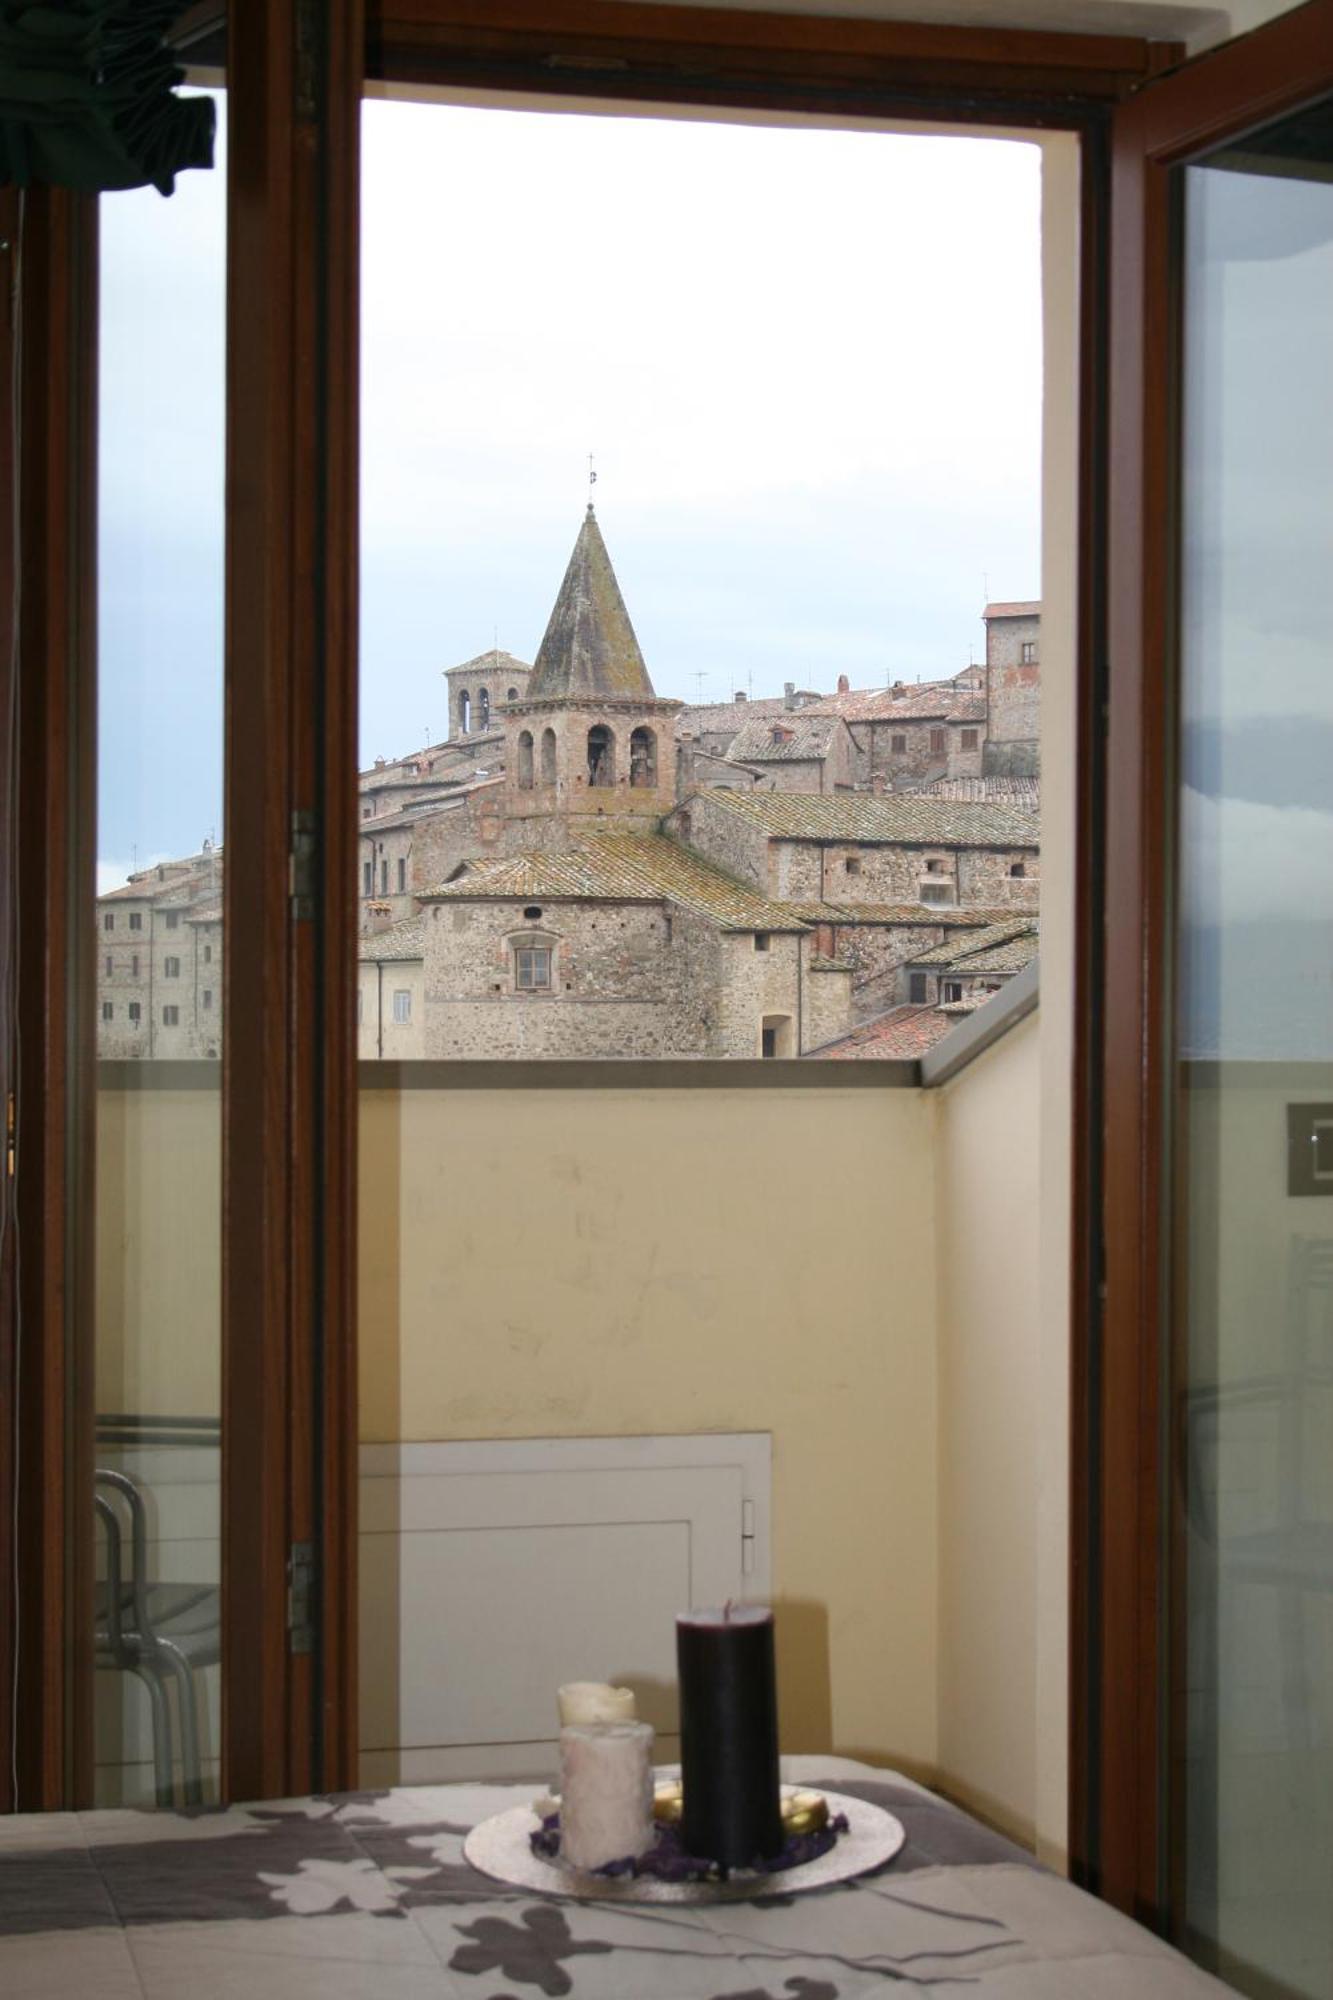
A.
x: 135, y: 1011
x: 171, y: 1017
x: 402, y: 1007
x: 532, y: 968
x: 402, y: 875
x: 107, y: 962
x: 601, y: 756
x: 208, y: 954
x: 171, y: 968
x: 465, y: 712
x: 852, y: 865
x: 484, y: 704
x: 367, y: 878
x: 952, y: 991
x: 525, y: 776
x: 512, y: 695
x: 134, y: 965
x: 934, y: 866
x: 108, y: 921
x: 173, y: 918
x: 768, y: 1042
x: 937, y: 892
x: 969, y: 739
x: 533, y: 912
x: 108, y: 1011
x: 936, y: 742
x: 384, y: 878
x: 761, y: 940
x: 136, y: 920
x: 1029, y: 652
x: 207, y: 1001
x: 1017, y: 870
x: 898, y: 745
x: 916, y: 988
x: 643, y: 758
x: 368, y: 812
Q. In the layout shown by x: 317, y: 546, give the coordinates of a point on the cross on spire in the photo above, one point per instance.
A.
x: 592, y: 480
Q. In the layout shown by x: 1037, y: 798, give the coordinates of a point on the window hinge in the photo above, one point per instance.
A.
x: 301, y: 863
x: 300, y: 1591
x: 747, y: 1537
x: 11, y: 1134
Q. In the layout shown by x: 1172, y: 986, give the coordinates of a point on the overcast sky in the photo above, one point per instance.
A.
x: 808, y: 364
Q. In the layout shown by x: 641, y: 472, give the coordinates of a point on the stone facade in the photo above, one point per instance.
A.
x: 581, y: 760
x: 1013, y: 690
x: 159, y: 942
x: 480, y: 689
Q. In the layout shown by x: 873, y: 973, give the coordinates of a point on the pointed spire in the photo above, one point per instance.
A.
x: 589, y: 647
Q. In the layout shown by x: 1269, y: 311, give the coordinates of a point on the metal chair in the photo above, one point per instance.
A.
x: 164, y: 1633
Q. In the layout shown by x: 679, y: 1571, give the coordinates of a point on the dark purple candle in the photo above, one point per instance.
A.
x: 729, y: 1735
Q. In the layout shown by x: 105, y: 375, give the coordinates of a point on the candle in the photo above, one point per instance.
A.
x: 594, y: 1701
x: 729, y: 1735
x: 606, y: 1792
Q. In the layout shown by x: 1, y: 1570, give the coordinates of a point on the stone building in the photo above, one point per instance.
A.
x: 588, y: 743
x: 479, y: 691
x: 795, y: 752
x: 159, y: 942
x: 1013, y: 690
x: 390, y: 993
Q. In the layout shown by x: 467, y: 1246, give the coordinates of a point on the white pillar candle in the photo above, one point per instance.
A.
x: 606, y: 1792
x: 594, y: 1701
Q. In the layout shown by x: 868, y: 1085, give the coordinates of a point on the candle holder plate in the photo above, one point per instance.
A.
x: 501, y: 1848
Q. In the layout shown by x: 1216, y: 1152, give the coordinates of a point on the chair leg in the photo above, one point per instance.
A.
x: 187, y: 1709
x: 164, y: 1780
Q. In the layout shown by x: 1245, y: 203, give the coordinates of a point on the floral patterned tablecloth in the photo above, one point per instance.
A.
x: 368, y: 1894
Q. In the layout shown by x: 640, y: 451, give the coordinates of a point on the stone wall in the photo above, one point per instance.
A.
x: 471, y: 830
x: 549, y: 764
x: 877, y: 953
x: 724, y: 838
x: 1013, y: 687
x: 985, y: 878
x: 170, y: 966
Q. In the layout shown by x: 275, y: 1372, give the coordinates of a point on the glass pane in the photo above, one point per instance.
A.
x: 682, y: 733
x: 159, y: 992
x: 1256, y: 1058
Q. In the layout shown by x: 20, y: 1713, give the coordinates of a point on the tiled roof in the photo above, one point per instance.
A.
x: 404, y: 940
x: 934, y: 916
x: 938, y: 701
x: 1015, y: 609
x: 181, y: 883
x: 1010, y: 957
x: 502, y: 662
x: 623, y: 868
x: 1023, y: 794
x: 796, y: 737
x: 717, y: 718
x: 895, y: 818
x: 962, y: 952
x: 589, y: 647
x: 903, y: 1033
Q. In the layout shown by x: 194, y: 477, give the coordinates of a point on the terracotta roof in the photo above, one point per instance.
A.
x: 1006, y: 958
x: 181, y: 883
x: 962, y: 953
x: 589, y: 647
x: 1014, y: 609
x: 719, y: 717
x: 622, y: 868
x: 502, y: 662
x: 902, y: 1033
x: 406, y: 940
x: 936, y: 701
x: 918, y: 916
x: 1023, y: 794
x: 867, y: 819
x: 797, y: 737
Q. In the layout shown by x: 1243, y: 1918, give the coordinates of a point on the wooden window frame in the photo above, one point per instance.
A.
x: 1127, y: 1530
x: 295, y: 72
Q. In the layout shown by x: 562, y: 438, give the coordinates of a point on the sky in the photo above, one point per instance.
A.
x: 807, y: 364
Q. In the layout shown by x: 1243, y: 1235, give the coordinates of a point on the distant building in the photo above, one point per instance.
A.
x: 1013, y: 691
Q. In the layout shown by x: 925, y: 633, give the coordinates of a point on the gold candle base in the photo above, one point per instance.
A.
x: 802, y: 1811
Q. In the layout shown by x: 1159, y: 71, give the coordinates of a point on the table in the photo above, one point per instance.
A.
x: 366, y: 1896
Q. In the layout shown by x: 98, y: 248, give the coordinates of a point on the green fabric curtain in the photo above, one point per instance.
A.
x: 87, y: 97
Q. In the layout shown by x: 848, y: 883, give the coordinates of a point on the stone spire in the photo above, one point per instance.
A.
x: 589, y: 648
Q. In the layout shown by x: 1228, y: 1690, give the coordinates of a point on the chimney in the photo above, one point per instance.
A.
x: 739, y: 695
x: 844, y: 685
x: 379, y: 917
x: 789, y: 694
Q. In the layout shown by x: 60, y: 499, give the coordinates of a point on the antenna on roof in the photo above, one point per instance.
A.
x: 985, y: 586
x: 699, y: 678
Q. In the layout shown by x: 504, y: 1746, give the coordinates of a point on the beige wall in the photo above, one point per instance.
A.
x: 560, y: 1263
x: 159, y: 1207
x: 987, y: 1181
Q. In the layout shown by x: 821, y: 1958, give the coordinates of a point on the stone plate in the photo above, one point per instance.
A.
x: 500, y: 1847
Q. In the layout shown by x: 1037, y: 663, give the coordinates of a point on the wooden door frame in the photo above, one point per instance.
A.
x: 1122, y: 1824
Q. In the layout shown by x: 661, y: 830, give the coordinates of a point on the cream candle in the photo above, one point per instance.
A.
x: 606, y: 1792
x: 594, y: 1701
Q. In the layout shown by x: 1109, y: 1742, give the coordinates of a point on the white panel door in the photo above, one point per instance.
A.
x: 493, y: 1572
